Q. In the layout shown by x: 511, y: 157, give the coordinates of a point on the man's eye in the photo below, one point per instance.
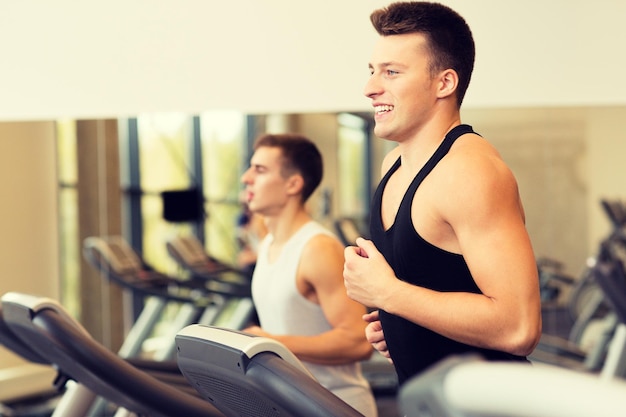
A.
x: 392, y: 72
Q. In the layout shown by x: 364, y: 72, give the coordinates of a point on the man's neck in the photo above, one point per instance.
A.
x: 285, y: 225
x: 417, y: 149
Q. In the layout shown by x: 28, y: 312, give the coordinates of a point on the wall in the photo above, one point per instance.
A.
x: 547, y: 151
x: 29, y: 257
x: 105, y: 59
x: 606, y: 167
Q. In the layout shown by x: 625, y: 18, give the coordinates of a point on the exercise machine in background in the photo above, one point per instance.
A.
x: 190, y: 254
x: 593, y: 319
x: 208, y: 301
x: 610, y: 275
x: 188, y: 300
x: 349, y: 228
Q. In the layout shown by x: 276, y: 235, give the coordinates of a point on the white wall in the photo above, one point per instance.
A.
x: 115, y: 58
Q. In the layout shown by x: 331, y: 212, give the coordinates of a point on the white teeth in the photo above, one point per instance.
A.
x: 383, y: 108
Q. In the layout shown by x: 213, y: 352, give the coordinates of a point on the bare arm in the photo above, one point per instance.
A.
x: 321, y: 270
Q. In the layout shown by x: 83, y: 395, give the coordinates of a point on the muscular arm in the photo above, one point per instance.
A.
x: 488, y: 221
x: 320, y: 276
x: 482, y: 210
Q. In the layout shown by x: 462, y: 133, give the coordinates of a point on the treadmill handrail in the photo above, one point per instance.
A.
x: 55, y: 336
x: 240, y: 377
x: 144, y: 281
x: 11, y: 341
x: 28, y: 305
x: 248, y: 344
x: 467, y: 386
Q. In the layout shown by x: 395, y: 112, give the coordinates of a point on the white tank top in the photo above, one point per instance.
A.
x: 283, y: 310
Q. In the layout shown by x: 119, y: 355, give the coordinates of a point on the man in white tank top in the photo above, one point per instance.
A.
x: 297, y: 286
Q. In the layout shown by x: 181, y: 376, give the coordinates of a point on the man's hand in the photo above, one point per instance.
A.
x: 374, y: 334
x: 368, y: 277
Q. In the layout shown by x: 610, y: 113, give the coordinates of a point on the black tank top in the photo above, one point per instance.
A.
x: 413, y: 348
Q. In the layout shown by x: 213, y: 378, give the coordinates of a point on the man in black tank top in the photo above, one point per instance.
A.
x: 450, y: 268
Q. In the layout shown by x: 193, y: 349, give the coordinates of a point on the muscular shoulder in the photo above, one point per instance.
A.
x: 323, y: 245
x: 322, y: 257
x: 476, y: 178
x: 474, y: 162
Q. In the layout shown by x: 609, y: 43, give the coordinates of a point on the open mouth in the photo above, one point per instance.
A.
x: 382, y: 109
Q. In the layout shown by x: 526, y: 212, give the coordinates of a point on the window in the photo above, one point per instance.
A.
x: 70, y: 250
x: 224, y: 151
x: 353, y: 152
x: 165, y: 148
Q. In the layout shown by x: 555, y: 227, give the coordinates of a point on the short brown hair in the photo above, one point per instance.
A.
x: 449, y: 37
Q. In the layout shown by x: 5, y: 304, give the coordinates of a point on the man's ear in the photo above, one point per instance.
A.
x: 295, y: 183
x: 448, y: 82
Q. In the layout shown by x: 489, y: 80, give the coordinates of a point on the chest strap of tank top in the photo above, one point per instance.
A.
x: 445, y: 146
x: 441, y: 151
